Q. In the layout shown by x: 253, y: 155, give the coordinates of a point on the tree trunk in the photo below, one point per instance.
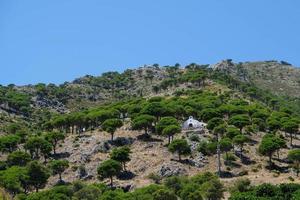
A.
x: 111, y: 181
x: 60, y: 179
x: 124, y: 166
x: 54, y: 149
x: 179, y: 156
x: 169, y: 139
x: 291, y: 140
x: 241, y: 152
x: 218, y: 156
x: 112, y: 137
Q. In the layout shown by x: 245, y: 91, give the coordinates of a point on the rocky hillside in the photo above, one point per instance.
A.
x: 40, y: 101
x: 124, y: 130
x: 279, y: 77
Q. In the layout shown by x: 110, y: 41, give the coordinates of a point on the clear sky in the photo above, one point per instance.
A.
x: 53, y: 41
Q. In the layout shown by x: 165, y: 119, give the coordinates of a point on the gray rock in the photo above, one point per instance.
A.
x: 81, y: 172
x: 85, y: 157
x: 199, y: 161
x: 171, y: 170
x: 102, y: 147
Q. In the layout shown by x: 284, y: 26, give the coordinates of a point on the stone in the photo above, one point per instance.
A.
x: 102, y: 147
x: 171, y: 170
x: 200, y: 160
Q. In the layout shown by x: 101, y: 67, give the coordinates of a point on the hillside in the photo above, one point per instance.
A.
x: 123, y: 130
x: 280, y: 78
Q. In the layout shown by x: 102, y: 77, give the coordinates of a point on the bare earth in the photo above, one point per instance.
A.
x: 149, y: 156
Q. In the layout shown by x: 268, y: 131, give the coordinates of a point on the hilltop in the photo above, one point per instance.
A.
x: 280, y: 78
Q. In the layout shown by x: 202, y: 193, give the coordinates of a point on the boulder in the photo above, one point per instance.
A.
x: 102, y: 147
x: 199, y: 161
x: 168, y: 170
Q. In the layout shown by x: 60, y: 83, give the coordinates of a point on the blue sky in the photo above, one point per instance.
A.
x: 58, y: 40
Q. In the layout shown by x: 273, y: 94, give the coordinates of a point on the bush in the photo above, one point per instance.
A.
x: 194, y: 138
x: 155, y: 177
x: 243, y: 172
x: 241, y: 185
x: 229, y: 158
x: 207, y: 148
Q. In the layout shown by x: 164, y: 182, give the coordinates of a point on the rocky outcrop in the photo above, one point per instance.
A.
x: 171, y: 169
x: 53, y: 104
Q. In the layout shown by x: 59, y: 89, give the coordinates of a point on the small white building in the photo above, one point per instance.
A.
x: 192, y: 124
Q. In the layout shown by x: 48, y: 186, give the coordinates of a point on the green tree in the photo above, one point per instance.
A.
x: 155, y: 109
x: 239, y: 121
x: 46, y: 149
x: 209, y: 113
x: 179, y: 146
x: 170, y: 131
x: 121, y: 154
x: 54, y: 138
x: 19, y: 158
x: 164, y: 122
x: 240, y: 141
x: 37, y: 146
x: 191, y: 191
x: 58, y: 167
x: 109, y: 169
x: 13, y: 179
x: 38, y: 175
x: 225, y: 145
x: 90, y: 192
x: 273, y: 124
x: 212, y: 190
x: 9, y: 143
x: 143, y: 122
x: 111, y: 125
x: 214, y: 122
x: 268, y: 146
x: 294, y: 156
x: 232, y: 131
x: 291, y: 127
x: 164, y: 194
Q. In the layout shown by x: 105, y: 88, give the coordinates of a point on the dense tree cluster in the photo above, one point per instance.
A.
x: 202, y: 186
x: 242, y: 190
x: 19, y: 102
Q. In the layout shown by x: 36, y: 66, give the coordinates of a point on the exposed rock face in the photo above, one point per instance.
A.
x: 224, y: 65
x: 102, y: 147
x: 41, y: 102
x: 193, y: 145
x: 228, y: 67
x: 173, y: 169
x: 199, y: 161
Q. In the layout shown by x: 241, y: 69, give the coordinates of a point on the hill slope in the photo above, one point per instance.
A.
x: 279, y: 78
